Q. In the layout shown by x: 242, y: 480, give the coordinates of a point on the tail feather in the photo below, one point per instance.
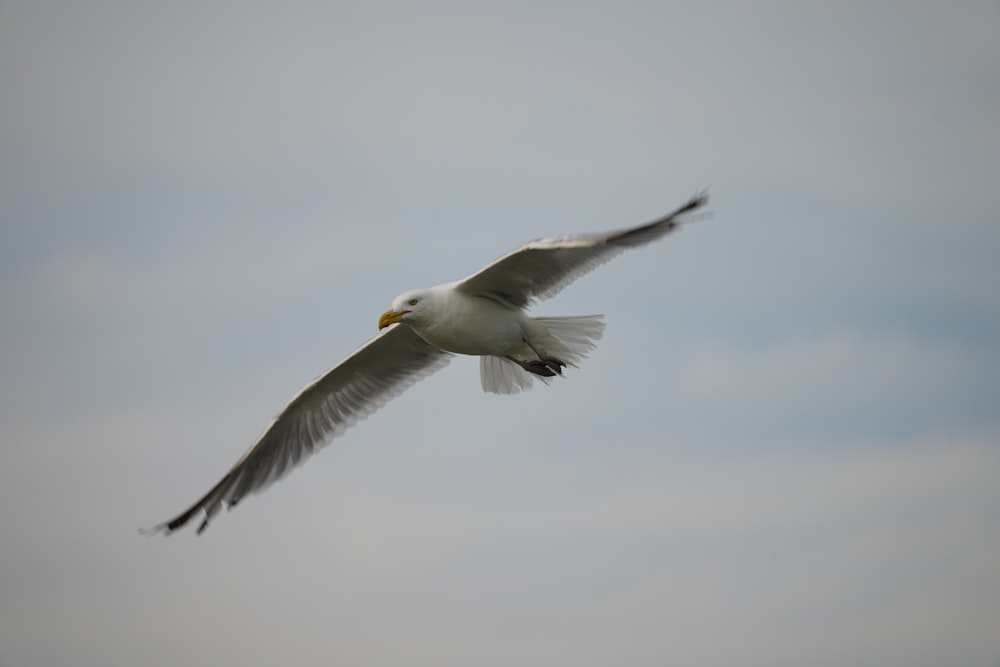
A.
x: 567, y: 339
x: 503, y: 376
x: 572, y: 337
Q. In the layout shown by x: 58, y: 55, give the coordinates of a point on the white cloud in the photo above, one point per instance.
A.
x: 842, y: 379
x: 782, y: 453
x: 883, y: 550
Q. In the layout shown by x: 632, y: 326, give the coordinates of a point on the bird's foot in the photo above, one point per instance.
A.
x: 546, y: 366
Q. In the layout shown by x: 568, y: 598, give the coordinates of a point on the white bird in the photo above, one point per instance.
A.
x: 482, y: 315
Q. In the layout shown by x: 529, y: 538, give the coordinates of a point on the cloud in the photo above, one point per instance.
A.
x: 782, y: 452
x: 881, y: 550
x: 846, y: 384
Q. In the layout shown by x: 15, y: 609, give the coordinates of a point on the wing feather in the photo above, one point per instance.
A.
x: 541, y: 269
x: 370, y: 377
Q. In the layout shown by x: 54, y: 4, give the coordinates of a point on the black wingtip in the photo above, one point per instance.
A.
x: 159, y: 528
x: 168, y: 527
x: 699, y: 199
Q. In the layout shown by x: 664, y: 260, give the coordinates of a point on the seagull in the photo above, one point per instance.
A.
x: 483, y: 315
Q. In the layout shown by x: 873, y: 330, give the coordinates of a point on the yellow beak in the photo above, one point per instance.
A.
x: 390, y: 317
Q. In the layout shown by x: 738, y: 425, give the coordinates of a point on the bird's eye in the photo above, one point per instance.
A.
x: 413, y: 302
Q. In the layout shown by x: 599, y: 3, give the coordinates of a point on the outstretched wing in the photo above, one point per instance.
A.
x: 376, y: 372
x: 540, y: 269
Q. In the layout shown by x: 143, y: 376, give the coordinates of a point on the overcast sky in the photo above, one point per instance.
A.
x: 784, y: 452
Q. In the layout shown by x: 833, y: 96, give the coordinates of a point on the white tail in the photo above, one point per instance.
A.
x: 567, y: 339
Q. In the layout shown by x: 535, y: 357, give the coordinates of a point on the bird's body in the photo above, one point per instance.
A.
x: 502, y: 334
x: 483, y: 315
x: 467, y: 324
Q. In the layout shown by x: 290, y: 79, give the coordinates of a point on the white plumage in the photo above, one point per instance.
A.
x: 482, y: 315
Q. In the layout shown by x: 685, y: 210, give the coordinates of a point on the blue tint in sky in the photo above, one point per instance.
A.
x: 785, y: 451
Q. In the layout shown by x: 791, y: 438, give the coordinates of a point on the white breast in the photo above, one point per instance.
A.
x: 475, y: 325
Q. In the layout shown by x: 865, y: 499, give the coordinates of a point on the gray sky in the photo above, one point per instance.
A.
x: 785, y: 451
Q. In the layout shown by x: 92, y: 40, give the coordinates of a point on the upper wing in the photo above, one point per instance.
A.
x: 540, y: 269
x: 359, y: 385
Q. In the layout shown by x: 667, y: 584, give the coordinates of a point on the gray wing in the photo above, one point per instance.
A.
x: 359, y: 385
x: 540, y: 269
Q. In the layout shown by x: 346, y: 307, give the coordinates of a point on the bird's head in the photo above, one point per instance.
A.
x: 412, y: 307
